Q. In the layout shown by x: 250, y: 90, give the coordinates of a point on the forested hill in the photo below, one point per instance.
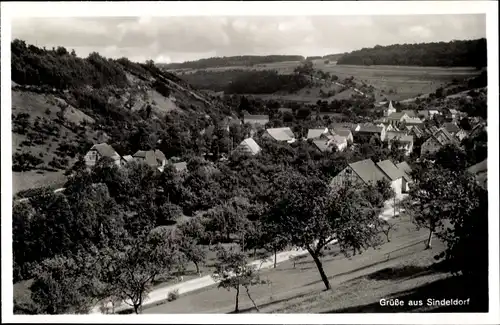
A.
x: 63, y: 104
x: 230, y: 61
x: 470, y: 53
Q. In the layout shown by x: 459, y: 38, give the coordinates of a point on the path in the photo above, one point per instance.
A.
x: 161, y: 294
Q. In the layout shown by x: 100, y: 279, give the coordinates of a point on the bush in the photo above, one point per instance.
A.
x: 173, y: 295
x: 385, y: 189
x: 168, y: 213
x: 24, y: 162
x: 20, y: 123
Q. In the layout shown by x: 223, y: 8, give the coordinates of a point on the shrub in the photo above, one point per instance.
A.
x: 24, y: 162
x: 173, y: 295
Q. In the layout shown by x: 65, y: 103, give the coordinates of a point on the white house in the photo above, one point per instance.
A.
x: 99, y: 151
x: 394, y: 174
x: 406, y: 169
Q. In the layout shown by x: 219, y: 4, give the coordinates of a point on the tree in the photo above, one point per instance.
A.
x: 310, y: 215
x: 189, y: 236
x: 233, y: 272
x: 63, y: 285
x: 451, y: 157
x: 386, y: 227
x: 431, y: 199
x: 129, y: 273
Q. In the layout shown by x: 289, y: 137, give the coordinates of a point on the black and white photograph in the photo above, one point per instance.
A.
x: 259, y: 161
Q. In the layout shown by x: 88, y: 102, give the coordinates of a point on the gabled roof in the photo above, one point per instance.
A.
x: 345, y: 125
x: 316, y: 133
x: 256, y: 117
x: 396, y: 116
x: 180, y: 166
x: 400, y: 136
x: 451, y: 127
x: 424, y: 113
x: 406, y: 169
x: 370, y: 129
x: 128, y: 158
x: 150, y: 157
x: 323, y: 145
x: 106, y: 150
x: 281, y: 134
x: 368, y: 171
x: 413, y: 120
x: 410, y: 112
x: 390, y: 169
x: 417, y: 131
x: 249, y: 146
x: 342, y: 132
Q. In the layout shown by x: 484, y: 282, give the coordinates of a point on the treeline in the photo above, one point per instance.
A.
x: 246, y: 82
x: 470, y: 53
x: 229, y: 61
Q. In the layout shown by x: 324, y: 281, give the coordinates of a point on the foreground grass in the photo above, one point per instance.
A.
x: 402, y: 264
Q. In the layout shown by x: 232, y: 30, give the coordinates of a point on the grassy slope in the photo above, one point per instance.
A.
x: 357, y: 281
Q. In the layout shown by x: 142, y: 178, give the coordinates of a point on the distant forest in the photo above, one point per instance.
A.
x: 230, y: 61
x: 445, y: 54
x: 246, y: 82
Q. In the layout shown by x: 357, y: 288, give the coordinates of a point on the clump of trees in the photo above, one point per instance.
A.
x: 455, y: 54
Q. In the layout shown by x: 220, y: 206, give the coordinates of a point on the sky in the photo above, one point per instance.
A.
x: 178, y: 39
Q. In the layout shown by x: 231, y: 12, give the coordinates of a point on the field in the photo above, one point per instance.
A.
x: 402, y: 81
x: 401, y: 269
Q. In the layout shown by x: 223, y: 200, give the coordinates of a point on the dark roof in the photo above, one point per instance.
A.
x: 370, y: 129
x: 342, y: 132
x: 368, y: 171
x: 390, y: 169
x: 323, y: 145
x: 451, y: 127
x: 150, y: 157
x: 406, y: 169
x: 106, y: 150
x: 396, y: 116
x: 410, y: 112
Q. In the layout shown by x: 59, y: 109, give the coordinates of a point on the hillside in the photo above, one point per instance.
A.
x: 229, y: 61
x: 443, y: 54
x: 63, y: 104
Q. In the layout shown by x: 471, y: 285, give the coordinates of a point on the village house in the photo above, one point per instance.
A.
x: 360, y: 172
x: 394, y: 174
x: 410, y: 113
x: 153, y: 158
x: 279, y: 134
x: 452, y: 128
x: 366, y: 131
x: 406, y: 169
x: 100, y: 151
x: 248, y: 147
x: 462, y: 134
x: 405, y: 142
x: 413, y: 121
x: 423, y: 114
x: 343, y: 132
x: 452, y: 114
x: 433, y: 112
x: 389, y: 110
x: 180, y: 167
x: 436, y: 141
x: 327, y: 143
x: 396, y: 118
x: 416, y: 131
x: 255, y: 119
x: 317, y: 133
x: 354, y: 127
